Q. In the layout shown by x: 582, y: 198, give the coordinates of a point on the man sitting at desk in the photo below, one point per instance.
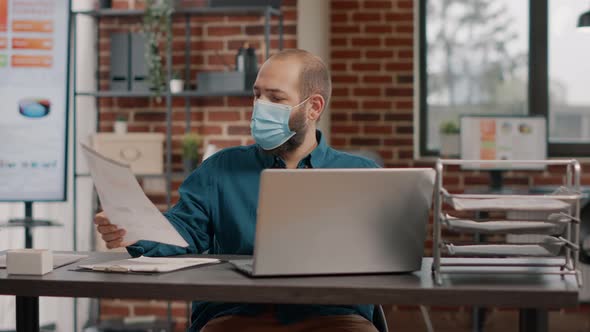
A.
x: 216, y: 211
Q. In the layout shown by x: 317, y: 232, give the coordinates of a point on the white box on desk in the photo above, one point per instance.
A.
x: 144, y: 152
x: 29, y: 261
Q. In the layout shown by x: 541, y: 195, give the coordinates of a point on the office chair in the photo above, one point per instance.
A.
x: 585, y: 234
x: 381, y: 324
x: 379, y: 319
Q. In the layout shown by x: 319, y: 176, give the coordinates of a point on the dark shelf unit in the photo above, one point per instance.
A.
x: 267, y: 12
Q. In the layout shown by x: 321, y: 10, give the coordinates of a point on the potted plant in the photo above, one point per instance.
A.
x: 120, y: 126
x: 449, y: 139
x: 176, y: 83
x: 190, y: 151
x: 157, y: 29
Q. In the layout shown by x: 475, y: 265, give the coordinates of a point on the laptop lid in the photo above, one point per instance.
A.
x: 339, y: 221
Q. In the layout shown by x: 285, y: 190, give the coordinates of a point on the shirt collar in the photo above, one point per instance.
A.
x: 318, y: 155
x: 316, y: 158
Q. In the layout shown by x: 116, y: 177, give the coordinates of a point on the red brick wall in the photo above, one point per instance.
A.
x: 372, y: 58
x: 372, y: 71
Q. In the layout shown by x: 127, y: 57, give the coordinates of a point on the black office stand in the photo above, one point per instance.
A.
x: 29, y: 223
x: 27, y: 322
x: 27, y: 314
x: 28, y: 219
x: 496, y: 180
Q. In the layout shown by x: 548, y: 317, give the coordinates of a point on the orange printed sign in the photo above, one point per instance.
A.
x: 32, y: 43
x: 43, y: 61
x: 488, y: 130
x: 2, y: 43
x: 32, y: 26
x: 3, y: 15
x: 487, y: 154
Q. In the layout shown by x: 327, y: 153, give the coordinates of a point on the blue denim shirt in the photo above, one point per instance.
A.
x: 216, y: 212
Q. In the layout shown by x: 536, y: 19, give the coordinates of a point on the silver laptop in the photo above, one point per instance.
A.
x: 340, y: 221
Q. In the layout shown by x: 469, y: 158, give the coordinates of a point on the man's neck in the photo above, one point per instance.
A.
x: 293, y: 158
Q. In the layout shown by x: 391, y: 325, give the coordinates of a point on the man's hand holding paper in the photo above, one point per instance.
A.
x: 111, y: 234
x: 129, y: 216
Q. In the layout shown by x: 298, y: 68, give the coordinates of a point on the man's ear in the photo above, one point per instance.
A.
x: 317, y: 105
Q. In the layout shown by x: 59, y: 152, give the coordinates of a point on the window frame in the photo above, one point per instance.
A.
x: 538, y: 81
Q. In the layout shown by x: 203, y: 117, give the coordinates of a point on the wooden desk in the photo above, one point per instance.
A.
x: 532, y: 294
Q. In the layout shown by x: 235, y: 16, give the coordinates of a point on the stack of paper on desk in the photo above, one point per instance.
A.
x: 149, y: 264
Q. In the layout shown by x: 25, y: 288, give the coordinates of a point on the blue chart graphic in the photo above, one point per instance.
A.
x: 34, y: 108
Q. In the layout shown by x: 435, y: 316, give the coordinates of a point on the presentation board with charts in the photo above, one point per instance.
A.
x: 34, y: 44
x: 503, y: 138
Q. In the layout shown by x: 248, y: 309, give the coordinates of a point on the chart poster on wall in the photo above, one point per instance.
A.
x: 504, y: 138
x: 33, y: 99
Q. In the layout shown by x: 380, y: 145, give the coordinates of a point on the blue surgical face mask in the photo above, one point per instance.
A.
x: 270, y: 123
